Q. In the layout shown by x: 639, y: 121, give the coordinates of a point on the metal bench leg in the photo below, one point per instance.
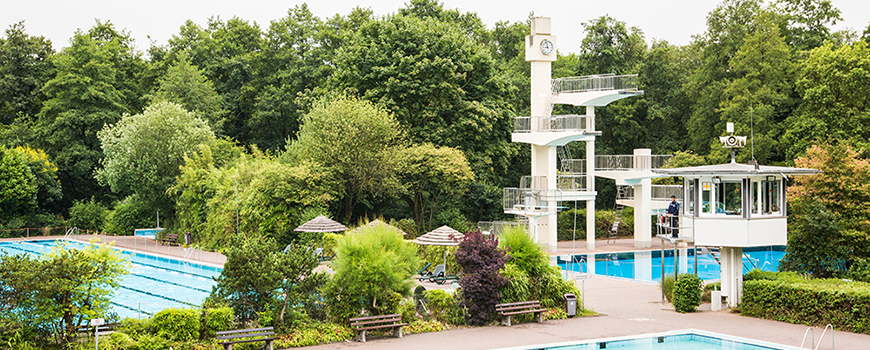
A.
x: 397, y: 332
x: 361, y: 336
x: 270, y: 345
x: 506, y: 321
x: 539, y: 316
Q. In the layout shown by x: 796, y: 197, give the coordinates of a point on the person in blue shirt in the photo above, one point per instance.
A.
x: 674, y: 213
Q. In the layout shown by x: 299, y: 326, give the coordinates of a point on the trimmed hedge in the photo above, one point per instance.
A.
x: 789, y: 297
x: 687, y: 293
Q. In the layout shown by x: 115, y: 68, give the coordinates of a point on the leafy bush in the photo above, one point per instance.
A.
x: 859, y: 271
x: 603, y: 223
x: 408, y: 309
x: 87, y: 215
x: 439, y: 303
x: 370, y: 267
x: 150, y: 342
x: 518, y: 288
x: 435, y: 254
x: 790, y: 298
x: 128, y: 215
x: 667, y: 284
x: 453, y: 218
x: 135, y: 327
x: 687, y: 293
x: 424, y: 326
x: 217, y: 320
x: 556, y: 314
x: 249, y: 278
x: 545, y: 282
x: 177, y: 324
x: 314, y: 334
x: 481, y: 260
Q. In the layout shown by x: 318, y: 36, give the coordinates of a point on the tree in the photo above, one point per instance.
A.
x: 97, y: 81
x: 610, y: 47
x: 60, y: 290
x: 832, y: 106
x: 17, y: 185
x: 830, y: 213
x: 760, y: 94
x: 441, y: 85
x: 426, y: 173
x: 357, y: 140
x: 481, y: 261
x: 144, y: 152
x: 45, y: 174
x: 807, y: 22
x: 250, y: 278
x: 185, y: 85
x: 296, y: 265
x: 25, y: 67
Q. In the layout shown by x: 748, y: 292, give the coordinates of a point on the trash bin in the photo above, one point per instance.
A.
x: 187, y: 238
x: 571, y: 304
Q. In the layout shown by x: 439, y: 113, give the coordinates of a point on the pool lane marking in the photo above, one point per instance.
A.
x: 130, y: 308
x: 138, y: 275
x: 160, y: 296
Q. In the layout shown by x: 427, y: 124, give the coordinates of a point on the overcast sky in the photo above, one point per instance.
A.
x: 672, y: 20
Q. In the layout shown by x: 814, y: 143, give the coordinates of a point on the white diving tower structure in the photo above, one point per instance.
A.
x: 539, y: 195
x: 729, y: 207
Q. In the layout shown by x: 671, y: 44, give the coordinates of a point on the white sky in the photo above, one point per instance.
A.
x: 672, y: 20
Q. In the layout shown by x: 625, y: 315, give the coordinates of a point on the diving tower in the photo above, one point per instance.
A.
x: 539, y: 195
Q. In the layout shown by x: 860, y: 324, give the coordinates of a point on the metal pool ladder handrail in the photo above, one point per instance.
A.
x: 189, y: 254
x: 69, y: 233
x: 812, y: 339
x: 823, y: 337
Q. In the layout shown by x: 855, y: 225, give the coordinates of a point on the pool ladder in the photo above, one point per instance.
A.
x: 69, y: 233
x: 190, y: 253
x: 813, y: 336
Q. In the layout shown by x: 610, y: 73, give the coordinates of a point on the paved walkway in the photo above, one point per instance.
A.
x: 628, y: 308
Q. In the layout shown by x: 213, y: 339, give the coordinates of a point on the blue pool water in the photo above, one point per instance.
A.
x: 154, y: 283
x: 682, y: 340
x: 647, y: 265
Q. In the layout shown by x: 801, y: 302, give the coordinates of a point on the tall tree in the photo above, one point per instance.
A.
x: 17, y: 185
x: 832, y: 84
x: 427, y: 173
x: 185, y: 85
x: 807, y: 22
x: 25, y: 67
x: 97, y: 81
x: 610, y: 47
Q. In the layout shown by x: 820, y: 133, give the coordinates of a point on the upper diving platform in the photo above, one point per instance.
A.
x: 594, y: 90
x: 552, y: 130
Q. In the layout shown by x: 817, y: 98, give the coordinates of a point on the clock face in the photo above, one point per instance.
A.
x: 547, y: 47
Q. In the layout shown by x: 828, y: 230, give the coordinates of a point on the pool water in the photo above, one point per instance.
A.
x: 154, y: 283
x: 682, y: 340
x: 647, y: 265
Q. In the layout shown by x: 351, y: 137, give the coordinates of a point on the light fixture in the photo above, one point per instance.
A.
x: 717, y: 180
x: 771, y: 178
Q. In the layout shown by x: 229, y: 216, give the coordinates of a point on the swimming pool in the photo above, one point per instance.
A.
x: 647, y: 265
x: 682, y: 340
x: 154, y: 283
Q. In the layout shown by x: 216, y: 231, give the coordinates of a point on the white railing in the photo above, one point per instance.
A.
x: 574, y: 166
x: 630, y: 162
x: 572, y: 182
x: 189, y: 254
x: 550, y: 123
x: 658, y: 192
x: 533, y: 182
x: 599, y: 82
x: 524, y: 199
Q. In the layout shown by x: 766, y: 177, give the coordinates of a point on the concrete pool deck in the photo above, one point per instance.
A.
x: 628, y: 308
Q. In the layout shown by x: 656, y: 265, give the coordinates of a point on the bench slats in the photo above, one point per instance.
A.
x: 374, y: 317
x: 520, y: 303
x: 531, y: 306
x: 523, y: 312
x: 383, y: 326
x: 234, y: 336
x: 394, y: 319
x: 247, y: 341
x: 245, y: 330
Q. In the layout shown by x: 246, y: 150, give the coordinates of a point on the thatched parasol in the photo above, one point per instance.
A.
x: 321, y: 224
x: 378, y: 223
x: 442, y: 236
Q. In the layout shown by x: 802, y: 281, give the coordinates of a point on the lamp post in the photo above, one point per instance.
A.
x: 236, y: 182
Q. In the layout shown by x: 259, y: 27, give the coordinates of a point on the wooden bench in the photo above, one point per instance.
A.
x: 362, y: 324
x: 257, y: 333
x: 170, y: 238
x: 525, y: 307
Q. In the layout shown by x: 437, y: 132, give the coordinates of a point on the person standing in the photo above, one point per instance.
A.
x: 674, y: 213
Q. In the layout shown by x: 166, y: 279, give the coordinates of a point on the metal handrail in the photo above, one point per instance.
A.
x: 190, y: 253
x: 69, y: 233
x: 812, y: 339
x: 658, y: 192
x: 549, y: 123
x: 822, y: 337
x: 600, y: 82
x: 630, y: 162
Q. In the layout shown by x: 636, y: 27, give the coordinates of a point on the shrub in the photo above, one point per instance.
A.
x: 454, y: 219
x: 370, y: 267
x: 217, y: 320
x: 408, y: 309
x: 859, y: 271
x: 518, y: 288
x: 314, y: 334
x: 128, y: 215
x: 135, y: 327
x: 790, y: 298
x: 545, y: 282
x: 87, y: 215
x: 667, y: 284
x: 603, y: 223
x: 249, y: 278
x: 177, y: 324
x: 687, y: 293
x: 556, y: 314
x: 423, y: 326
x: 439, y: 303
x: 150, y: 342
x: 435, y: 254
x: 481, y: 260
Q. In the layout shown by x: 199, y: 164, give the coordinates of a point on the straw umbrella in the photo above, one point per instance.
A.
x: 442, y: 236
x: 378, y: 223
x: 321, y: 224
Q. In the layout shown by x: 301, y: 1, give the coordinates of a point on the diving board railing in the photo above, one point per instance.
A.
x: 549, y: 123
x: 599, y: 82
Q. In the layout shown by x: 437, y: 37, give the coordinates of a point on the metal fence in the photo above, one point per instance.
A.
x: 630, y: 162
x: 599, y: 82
x: 533, y: 182
x: 572, y: 182
x: 550, y: 123
x: 658, y: 192
x: 574, y: 166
